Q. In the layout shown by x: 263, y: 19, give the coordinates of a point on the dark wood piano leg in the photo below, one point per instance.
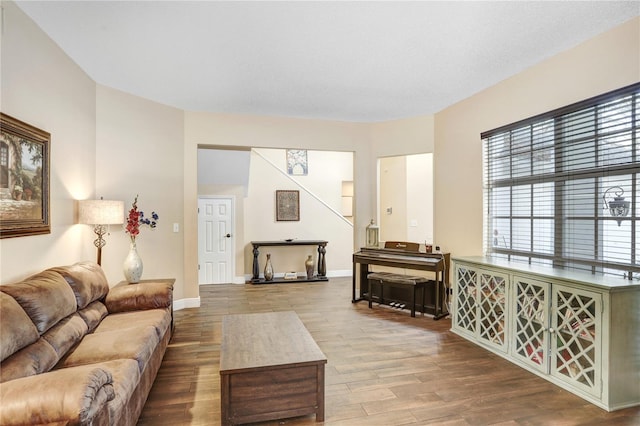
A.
x: 413, y: 302
x: 439, y: 312
x: 354, y: 278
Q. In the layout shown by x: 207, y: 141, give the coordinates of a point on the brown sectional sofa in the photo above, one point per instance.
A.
x: 74, y: 351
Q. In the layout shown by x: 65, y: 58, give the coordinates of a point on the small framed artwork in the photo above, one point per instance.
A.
x: 24, y: 179
x: 297, y: 162
x: 287, y: 205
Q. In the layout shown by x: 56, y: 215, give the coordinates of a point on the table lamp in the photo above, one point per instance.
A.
x: 100, y: 213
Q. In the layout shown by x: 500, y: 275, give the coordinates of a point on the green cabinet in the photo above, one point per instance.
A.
x: 580, y: 332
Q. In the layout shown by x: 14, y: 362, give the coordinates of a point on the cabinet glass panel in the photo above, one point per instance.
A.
x: 465, y: 317
x: 576, y: 321
x: 492, y: 309
x: 530, y: 322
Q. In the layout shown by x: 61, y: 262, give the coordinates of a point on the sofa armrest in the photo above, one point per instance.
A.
x: 77, y: 395
x: 135, y: 297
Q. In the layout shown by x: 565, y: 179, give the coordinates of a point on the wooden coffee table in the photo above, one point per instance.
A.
x: 270, y: 368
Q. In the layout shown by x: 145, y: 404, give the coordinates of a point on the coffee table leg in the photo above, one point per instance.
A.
x: 320, y: 394
x: 224, y: 400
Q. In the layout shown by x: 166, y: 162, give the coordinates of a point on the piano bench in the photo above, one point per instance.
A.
x: 398, y: 280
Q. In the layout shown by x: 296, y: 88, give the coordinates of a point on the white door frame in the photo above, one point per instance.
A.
x: 232, y: 270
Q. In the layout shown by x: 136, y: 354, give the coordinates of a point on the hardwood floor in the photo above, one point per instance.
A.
x: 384, y: 367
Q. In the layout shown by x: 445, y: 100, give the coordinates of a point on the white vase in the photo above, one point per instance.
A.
x: 133, y: 265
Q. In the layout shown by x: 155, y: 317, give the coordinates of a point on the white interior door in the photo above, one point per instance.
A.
x: 215, y: 240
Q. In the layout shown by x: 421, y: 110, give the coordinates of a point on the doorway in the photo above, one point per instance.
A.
x: 405, y: 198
x: 216, y: 241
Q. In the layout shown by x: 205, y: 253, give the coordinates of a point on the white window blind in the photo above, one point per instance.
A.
x: 550, y: 179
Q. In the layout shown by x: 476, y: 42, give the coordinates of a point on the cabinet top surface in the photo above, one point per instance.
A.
x: 254, y: 341
x: 582, y: 278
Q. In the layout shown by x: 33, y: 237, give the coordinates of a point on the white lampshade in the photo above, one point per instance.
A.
x: 101, y: 212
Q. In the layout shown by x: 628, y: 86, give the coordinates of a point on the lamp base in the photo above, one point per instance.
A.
x: 99, y: 242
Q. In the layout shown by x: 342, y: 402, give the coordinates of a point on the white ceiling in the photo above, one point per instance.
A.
x: 352, y: 61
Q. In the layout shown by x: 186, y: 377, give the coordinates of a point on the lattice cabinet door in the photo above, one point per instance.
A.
x: 465, y: 296
x: 530, y: 324
x: 492, y: 309
x: 576, y: 338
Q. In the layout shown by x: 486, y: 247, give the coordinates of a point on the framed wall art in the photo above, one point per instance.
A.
x: 297, y: 162
x: 287, y: 205
x: 24, y: 179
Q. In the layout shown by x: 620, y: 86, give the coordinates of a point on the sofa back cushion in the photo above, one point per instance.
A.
x: 45, y: 297
x: 87, y: 280
x: 16, y: 328
x: 93, y: 314
x: 66, y: 334
x: 38, y: 357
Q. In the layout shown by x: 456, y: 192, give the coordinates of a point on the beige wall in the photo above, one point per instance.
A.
x: 400, y: 137
x: 41, y: 86
x: 139, y: 145
x: 602, y: 64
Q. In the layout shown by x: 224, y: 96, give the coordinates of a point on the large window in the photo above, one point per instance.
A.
x: 563, y: 188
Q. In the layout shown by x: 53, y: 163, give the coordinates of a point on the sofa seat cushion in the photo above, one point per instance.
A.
x: 45, y: 297
x: 160, y: 319
x: 38, y: 357
x: 87, y: 280
x: 71, y: 396
x: 134, y: 343
x: 16, y: 328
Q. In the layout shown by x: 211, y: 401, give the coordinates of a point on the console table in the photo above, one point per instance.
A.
x: 322, y: 265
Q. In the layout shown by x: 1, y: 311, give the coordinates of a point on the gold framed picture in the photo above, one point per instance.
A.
x: 24, y: 179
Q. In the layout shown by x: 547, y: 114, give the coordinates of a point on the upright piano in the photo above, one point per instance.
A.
x: 436, y: 263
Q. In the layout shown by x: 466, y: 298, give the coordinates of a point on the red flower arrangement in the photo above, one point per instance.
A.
x: 136, y: 218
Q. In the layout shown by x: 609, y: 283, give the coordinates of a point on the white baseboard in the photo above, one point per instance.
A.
x: 193, y: 302
x: 330, y: 274
x: 340, y: 273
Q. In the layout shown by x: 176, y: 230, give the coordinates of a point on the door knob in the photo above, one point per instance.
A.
x: 228, y: 235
